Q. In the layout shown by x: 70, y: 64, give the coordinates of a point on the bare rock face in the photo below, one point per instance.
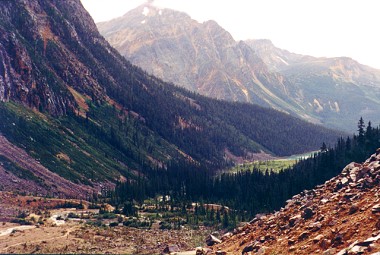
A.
x: 47, y: 47
x: 325, y: 86
x: 325, y: 220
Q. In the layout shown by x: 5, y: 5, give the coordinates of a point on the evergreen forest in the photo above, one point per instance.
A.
x: 247, y: 192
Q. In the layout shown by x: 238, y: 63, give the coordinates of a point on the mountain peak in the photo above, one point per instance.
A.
x: 261, y: 42
x: 205, y: 58
x: 150, y: 10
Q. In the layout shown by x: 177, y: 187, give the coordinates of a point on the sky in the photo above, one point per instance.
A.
x: 320, y: 28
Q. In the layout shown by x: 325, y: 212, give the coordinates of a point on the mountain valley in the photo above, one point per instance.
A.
x: 72, y: 102
x: 99, y: 155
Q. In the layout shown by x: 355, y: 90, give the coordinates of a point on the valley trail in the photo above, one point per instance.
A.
x: 8, y: 231
x: 53, y: 218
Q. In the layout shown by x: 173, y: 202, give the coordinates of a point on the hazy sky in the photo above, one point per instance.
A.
x: 321, y: 28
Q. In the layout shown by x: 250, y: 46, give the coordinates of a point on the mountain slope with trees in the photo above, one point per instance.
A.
x: 203, y: 57
x: 75, y: 104
x: 252, y: 191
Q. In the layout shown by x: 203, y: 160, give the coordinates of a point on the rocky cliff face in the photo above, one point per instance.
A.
x: 275, y: 58
x: 44, y: 51
x: 338, y: 217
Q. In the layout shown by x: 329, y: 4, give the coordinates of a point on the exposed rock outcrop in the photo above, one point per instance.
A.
x: 44, y: 50
x: 324, y: 86
x: 338, y: 217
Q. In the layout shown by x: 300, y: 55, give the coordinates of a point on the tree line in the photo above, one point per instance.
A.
x: 248, y: 192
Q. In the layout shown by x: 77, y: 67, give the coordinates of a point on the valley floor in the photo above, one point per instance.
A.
x: 74, y: 238
x: 55, y: 235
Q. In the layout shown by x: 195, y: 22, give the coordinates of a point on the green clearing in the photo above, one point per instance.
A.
x: 271, y: 165
x: 275, y: 165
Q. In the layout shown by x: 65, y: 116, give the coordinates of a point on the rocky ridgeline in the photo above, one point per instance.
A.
x: 339, y: 217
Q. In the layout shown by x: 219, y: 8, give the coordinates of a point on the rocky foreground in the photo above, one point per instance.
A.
x: 339, y: 217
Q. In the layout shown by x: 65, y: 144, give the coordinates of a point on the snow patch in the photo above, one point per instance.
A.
x: 143, y: 22
x: 286, y: 63
x: 334, y: 106
x: 160, y: 12
x: 145, y: 11
x: 318, y: 106
x: 337, y: 108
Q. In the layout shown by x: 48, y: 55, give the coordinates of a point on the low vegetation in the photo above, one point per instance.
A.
x: 266, y: 165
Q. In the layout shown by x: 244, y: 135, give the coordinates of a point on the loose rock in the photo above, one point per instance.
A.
x: 212, y: 240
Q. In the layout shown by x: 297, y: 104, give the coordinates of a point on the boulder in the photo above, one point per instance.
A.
x: 318, y: 238
x: 171, y: 249
x: 202, y: 251
x: 324, y: 200
x: 291, y: 241
x: 353, y: 209
x: 314, y: 226
x: 261, y: 251
x: 248, y: 248
x: 344, y: 181
x: 303, y: 235
x: 376, y: 208
x: 307, y: 213
x: 212, y: 240
x: 199, y: 251
x: 294, y: 220
x: 226, y: 236
x: 325, y: 243
x: 357, y: 250
x: 331, y: 251
x: 369, y: 241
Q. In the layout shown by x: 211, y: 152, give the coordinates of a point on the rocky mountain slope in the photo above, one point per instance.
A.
x: 73, y: 103
x: 204, y: 57
x: 19, y: 172
x: 201, y: 57
x: 338, y: 217
x: 333, y: 89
